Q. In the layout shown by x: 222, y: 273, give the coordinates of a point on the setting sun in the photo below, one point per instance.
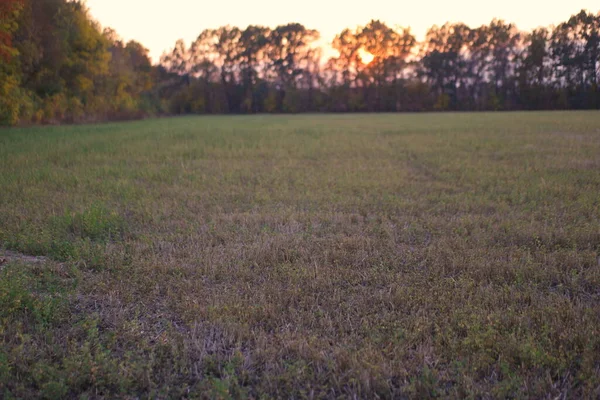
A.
x: 365, y: 56
x: 282, y: 202
x: 185, y: 19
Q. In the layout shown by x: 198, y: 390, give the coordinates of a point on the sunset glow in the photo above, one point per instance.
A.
x: 365, y: 56
x: 158, y: 24
x: 323, y: 199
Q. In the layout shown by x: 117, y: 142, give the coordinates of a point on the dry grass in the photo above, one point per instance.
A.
x: 433, y: 255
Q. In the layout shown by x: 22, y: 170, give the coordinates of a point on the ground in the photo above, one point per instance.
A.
x: 317, y: 256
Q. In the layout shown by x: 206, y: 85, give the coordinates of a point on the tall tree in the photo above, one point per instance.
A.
x: 178, y: 60
x: 575, y: 49
x: 10, y: 75
x: 444, y: 62
x: 534, y: 70
x: 503, y: 41
x: 290, y: 45
x: 228, y: 49
x: 389, y: 48
x: 346, y: 69
x: 202, y: 58
x: 9, y: 12
x: 56, y: 66
x: 253, y: 63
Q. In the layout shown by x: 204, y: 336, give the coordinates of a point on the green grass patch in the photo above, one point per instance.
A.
x: 71, y: 236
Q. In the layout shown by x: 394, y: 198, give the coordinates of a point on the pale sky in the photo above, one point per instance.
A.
x: 158, y: 24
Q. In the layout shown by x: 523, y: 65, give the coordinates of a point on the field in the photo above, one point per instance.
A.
x: 315, y: 256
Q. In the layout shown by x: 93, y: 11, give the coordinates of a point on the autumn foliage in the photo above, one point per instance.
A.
x: 57, y: 65
x: 8, y: 10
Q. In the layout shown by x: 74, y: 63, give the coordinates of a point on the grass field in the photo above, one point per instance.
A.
x: 325, y: 256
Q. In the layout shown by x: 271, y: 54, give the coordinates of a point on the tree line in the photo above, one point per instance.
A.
x: 57, y: 65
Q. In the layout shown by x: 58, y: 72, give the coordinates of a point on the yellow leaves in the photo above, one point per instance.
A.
x: 9, y: 11
x: 84, y: 84
x: 10, y: 98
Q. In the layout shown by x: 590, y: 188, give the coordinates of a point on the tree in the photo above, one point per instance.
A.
x: 178, y: 61
x: 389, y: 48
x: 444, y: 62
x: 253, y: 63
x: 534, y: 70
x: 349, y: 62
x: 290, y: 52
x: 57, y: 66
x: 10, y: 93
x: 503, y: 41
x: 9, y: 13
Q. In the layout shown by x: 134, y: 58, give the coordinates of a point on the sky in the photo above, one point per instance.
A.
x: 158, y: 24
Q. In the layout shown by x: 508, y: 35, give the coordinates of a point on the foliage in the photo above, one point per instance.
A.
x: 56, y: 66
x: 491, y: 67
x: 63, y: 69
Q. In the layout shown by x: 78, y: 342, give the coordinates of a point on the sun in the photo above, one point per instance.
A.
x: 365, y: 56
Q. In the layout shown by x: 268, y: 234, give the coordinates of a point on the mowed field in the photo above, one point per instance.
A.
x: 314, y: 256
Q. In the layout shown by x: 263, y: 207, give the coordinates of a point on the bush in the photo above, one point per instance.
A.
x: 10, y: 100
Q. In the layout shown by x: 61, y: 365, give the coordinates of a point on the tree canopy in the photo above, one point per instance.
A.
x: 57, y: 65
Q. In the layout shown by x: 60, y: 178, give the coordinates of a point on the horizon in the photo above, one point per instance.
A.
x: 418, y: 17
x: 417, y: 217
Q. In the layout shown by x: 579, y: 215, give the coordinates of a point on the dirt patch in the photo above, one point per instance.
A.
x: 11, y: 256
